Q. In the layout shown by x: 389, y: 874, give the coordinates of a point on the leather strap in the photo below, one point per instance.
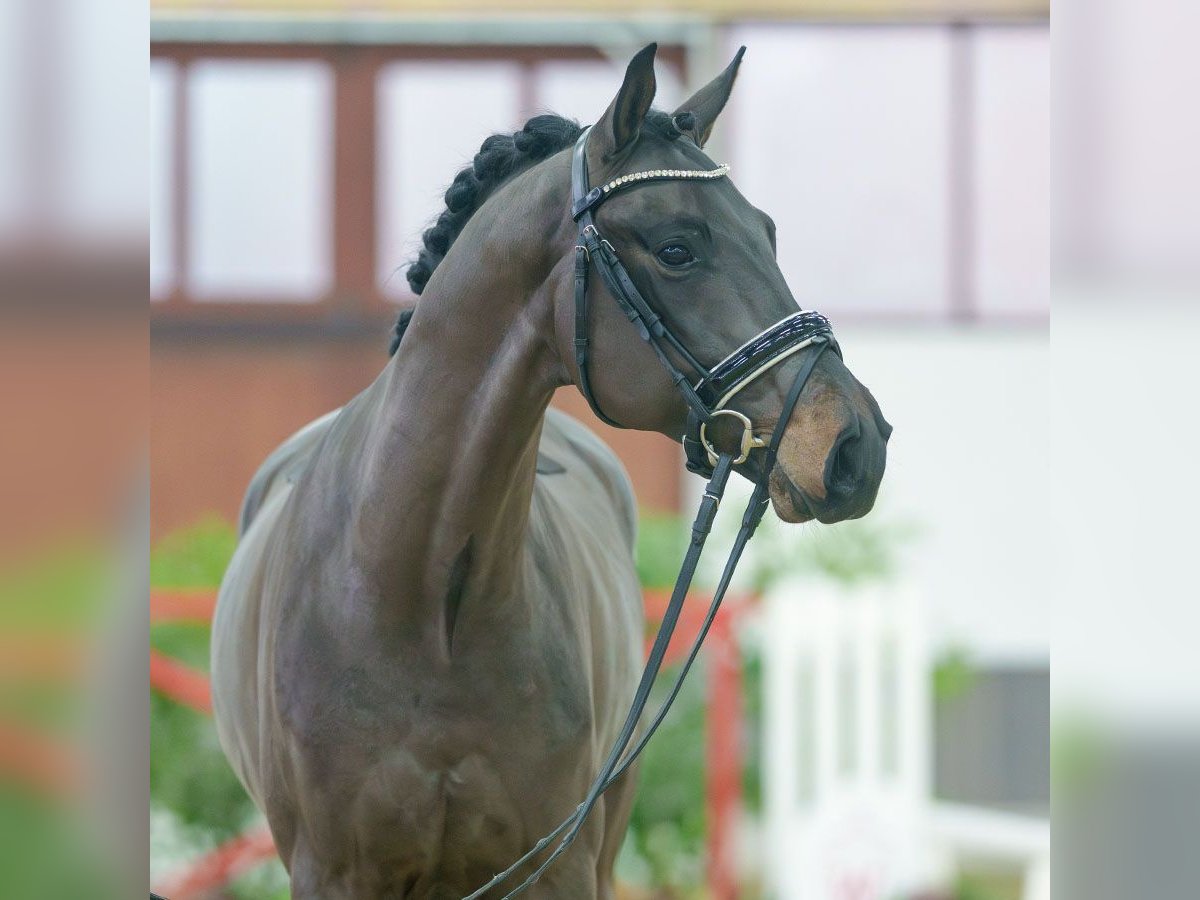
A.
x: 582, y: 341
x: 648, y: 324
x: 754, y: 357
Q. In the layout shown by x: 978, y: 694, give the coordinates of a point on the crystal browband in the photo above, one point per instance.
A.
x: 651, y: 174
x: 596, y: 194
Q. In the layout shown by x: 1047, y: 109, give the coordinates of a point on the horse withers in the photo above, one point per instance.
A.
x: 430, y: 631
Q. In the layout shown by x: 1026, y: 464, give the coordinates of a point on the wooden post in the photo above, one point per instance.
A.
x: 723, y: 771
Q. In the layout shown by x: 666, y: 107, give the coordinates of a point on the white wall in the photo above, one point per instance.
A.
x: 841, y: 135
x: 969, y: 462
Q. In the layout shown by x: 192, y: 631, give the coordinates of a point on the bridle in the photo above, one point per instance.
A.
x: 707, y: 394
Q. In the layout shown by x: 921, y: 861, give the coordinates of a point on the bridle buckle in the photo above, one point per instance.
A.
x: 748, y: 441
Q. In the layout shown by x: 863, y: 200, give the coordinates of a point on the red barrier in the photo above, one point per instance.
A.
x: 722, y: 723
x: 211, y: 871
x: 723, y: 727
x: 186, y: 605
x: 723, y: 763
x: 38, y: 760
x: 180, y: 683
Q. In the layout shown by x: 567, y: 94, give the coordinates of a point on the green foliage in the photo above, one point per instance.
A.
x: 45, y: 853
x: 52, y: 605
x: 1080, y: 754
x: 752, y: 709
x: 668, y: 823
x: 62, y: 591
x: 195, y: 557
x: 996, y: 885
x: 266, y: 882
x: 189, y: 775
x: 188, y: 772
x: 660, y: 547
x: 853, y: 552
x: 47, y: 707
x: 954, y: 676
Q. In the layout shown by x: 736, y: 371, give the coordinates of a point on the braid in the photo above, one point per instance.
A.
x: 500, y: 157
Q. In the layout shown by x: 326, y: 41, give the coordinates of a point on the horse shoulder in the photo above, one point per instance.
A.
x: 582, y: 536
x: 567, y: 442
x: 238, y: 684
x: 280, y: 466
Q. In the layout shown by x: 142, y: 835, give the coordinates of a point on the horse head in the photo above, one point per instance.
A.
x: 703, y: 259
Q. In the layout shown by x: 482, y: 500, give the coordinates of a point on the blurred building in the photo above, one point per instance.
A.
x: 298, y: 150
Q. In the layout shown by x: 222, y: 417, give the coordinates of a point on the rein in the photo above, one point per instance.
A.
x: 707, y: 394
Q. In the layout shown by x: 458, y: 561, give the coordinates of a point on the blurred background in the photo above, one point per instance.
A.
x: 872, y: 718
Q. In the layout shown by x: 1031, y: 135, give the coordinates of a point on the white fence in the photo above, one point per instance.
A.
x: 847, y: 742
x: 849, y: 814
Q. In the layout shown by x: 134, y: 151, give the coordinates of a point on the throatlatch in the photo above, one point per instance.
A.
x: 707, y: 394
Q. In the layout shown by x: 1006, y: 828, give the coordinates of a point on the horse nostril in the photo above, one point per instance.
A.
x: 844, y: 464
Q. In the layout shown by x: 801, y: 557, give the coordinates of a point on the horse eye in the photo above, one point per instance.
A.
x: 675, y: 255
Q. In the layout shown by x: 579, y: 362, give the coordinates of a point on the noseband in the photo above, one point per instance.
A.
x: 707, y: 393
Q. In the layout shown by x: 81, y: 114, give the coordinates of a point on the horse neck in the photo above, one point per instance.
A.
x: 456, y: 417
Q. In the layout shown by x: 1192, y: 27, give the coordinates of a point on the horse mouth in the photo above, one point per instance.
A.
x: 789, y: 501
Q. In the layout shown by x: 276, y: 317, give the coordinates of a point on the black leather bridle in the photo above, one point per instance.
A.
x: 709, y: 390
x: 706, y: 393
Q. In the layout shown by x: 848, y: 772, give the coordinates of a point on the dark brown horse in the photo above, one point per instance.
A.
x: 430, y: 632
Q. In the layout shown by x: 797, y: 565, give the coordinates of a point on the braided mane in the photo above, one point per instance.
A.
x: 499, y: 158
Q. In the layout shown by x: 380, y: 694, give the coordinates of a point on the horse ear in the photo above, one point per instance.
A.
x: 622, y: 121
x: 706, y: 104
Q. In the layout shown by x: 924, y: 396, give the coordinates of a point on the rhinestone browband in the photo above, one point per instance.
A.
x: 596, y: 194
x: 650, y: 174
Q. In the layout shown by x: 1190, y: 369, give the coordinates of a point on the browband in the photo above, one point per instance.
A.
x: 595, y: 196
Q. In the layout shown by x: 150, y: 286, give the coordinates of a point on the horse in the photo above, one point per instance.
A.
x: 431, y: 626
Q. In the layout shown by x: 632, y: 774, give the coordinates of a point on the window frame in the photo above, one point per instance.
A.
x: 355, y: 302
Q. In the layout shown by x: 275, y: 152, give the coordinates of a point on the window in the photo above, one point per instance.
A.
x: 13, y: 67
x: 582, y: 89
x: 842, y: 138
x: 295, y: 181
x: 101, y: 63
x: 906, y: 166
x: 260, y: 180
x: 163, y: 76
x: 432, y: 118
x: 1012, y: 158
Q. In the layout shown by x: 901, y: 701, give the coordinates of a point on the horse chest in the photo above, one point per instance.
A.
x: 434, y: 768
